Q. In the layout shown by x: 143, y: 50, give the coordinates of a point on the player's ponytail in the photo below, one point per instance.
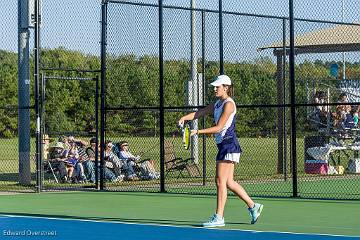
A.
x: 230, y: 90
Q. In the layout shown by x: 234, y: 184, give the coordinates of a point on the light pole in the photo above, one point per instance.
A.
x: 24, y: 23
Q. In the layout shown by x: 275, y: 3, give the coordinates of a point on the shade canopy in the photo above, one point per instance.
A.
x: 341, y: 38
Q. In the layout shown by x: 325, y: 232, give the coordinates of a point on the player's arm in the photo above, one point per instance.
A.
x: 195, y: 115
x: 229, y: 108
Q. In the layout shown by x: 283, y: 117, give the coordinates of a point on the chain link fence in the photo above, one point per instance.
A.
x: 15, y: 176
x: 252, y: 48
x: 255, y: 36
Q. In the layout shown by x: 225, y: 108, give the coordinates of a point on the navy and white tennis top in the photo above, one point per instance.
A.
x: 228, y: 130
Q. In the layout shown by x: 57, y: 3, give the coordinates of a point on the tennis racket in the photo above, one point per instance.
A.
x: 186, y: 136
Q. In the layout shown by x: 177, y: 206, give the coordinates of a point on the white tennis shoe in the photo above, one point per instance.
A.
x: 255, y: 212
x: 215, y: 221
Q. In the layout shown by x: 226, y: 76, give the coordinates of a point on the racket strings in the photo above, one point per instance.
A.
x: 186, y: 137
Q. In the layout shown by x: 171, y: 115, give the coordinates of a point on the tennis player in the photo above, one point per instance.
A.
x: 224, y: 110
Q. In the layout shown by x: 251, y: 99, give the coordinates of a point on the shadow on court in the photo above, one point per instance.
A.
x: 126, y: 220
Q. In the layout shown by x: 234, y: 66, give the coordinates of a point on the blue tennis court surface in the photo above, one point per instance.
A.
x: 23, y: 227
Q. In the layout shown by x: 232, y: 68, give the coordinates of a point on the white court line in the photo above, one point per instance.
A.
x: 172, y: 226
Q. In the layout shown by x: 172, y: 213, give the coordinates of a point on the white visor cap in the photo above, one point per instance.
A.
x: 220, y: 80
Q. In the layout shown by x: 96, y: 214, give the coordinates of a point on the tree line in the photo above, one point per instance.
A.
x: 132, y: 92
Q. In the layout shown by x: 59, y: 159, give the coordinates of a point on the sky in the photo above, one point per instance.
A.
x: 75, y: 25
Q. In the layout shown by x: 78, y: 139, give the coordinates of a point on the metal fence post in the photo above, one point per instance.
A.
x: 284, y: 101
x: 161, y: 94
x: 24, y: 95
x: 292, y: 98
x: 97, y: 132
x: 103, y: 86
x: 203, y: 25
x: 37, y: 99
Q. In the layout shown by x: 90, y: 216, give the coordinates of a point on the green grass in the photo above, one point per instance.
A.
x: 259, y: 154
x: 331, y: 187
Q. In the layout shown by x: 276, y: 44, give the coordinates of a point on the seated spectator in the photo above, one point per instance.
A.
x: 147, y: 168
x: 348, y: 122
x: 320, y: 112
x: 356, y: 115
x: 342, y: 108
x: 90, y: 165
x: 78, y: 152
x: 119, y: 164
x: 89, y: 161
x: 64, y: 140
x: 72, y: 162
x: 343, y: 112
x: 58, y: 158
x: 46, y: 146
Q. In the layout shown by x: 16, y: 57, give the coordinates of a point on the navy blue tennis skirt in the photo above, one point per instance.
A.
x: 229, y: 149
